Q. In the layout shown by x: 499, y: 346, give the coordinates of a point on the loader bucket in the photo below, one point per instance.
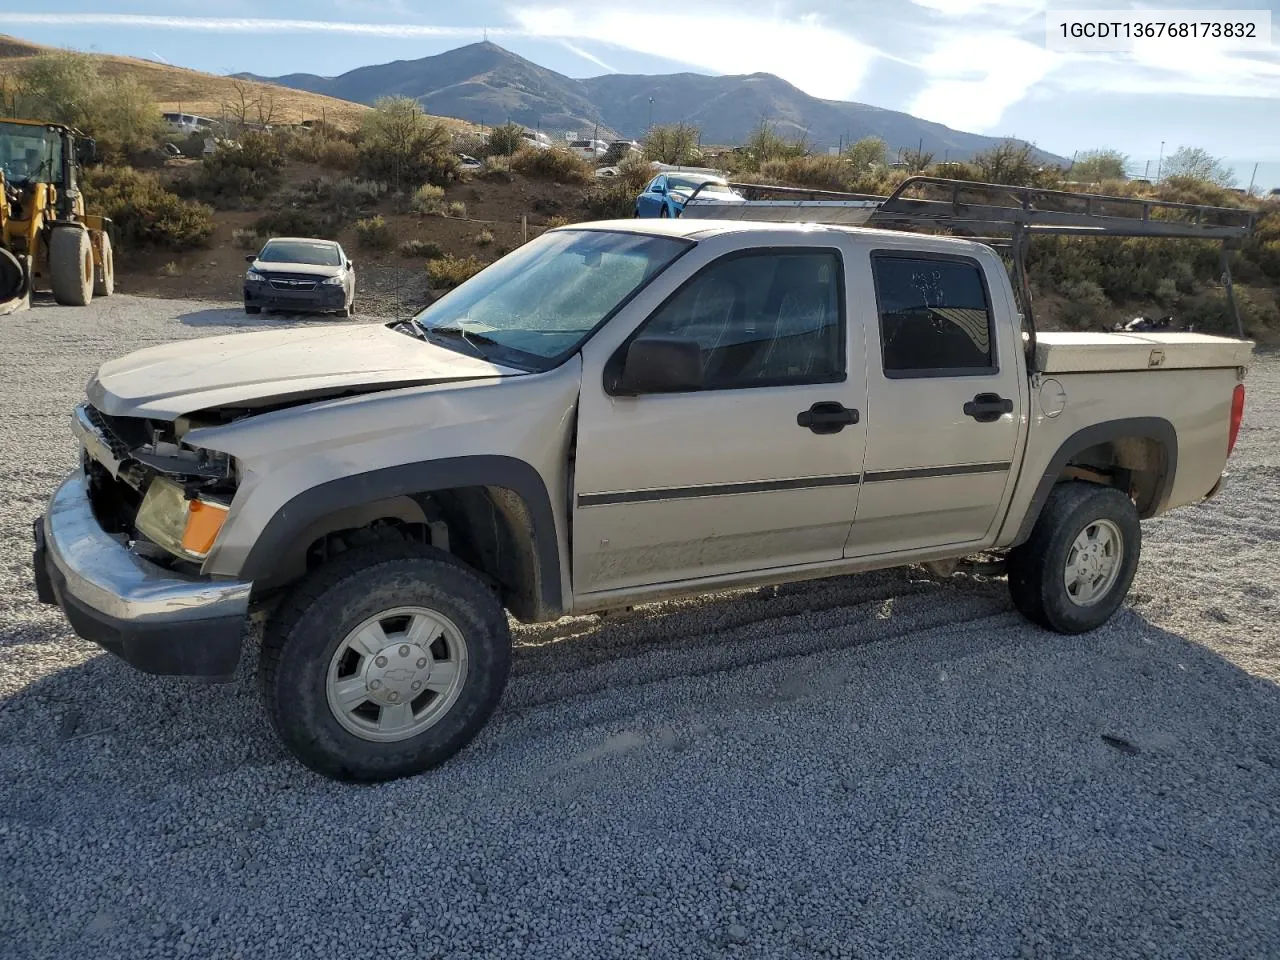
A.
x: 15, y: 284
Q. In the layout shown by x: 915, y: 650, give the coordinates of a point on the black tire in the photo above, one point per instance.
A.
x: 248, y: 308
x: 71, y: 266
x: 663, y: 211
x: 104, y: 273
x: 1037, y: 568
x: 344, y: 312
x: 307, y: 628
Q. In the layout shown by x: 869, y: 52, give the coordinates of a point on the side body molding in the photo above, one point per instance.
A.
x: 289, y: 523
x: 1155, y: 428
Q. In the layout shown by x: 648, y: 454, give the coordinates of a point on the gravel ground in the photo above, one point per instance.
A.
x: 885, y: 766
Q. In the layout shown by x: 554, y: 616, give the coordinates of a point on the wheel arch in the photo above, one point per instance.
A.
x: 497, y: 512
x: 1146, y: 448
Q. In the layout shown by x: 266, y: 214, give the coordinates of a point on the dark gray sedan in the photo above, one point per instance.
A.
x: 300, y: 273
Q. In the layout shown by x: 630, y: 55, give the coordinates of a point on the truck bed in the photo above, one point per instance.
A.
x: 1073, y: 352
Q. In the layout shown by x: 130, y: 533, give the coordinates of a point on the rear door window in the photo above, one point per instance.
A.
x: 935, y: 316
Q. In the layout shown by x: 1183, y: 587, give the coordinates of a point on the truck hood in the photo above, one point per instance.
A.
x: 275, y: 368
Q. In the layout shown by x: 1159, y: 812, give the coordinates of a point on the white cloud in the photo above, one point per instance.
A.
x: 976, y: 77
x: 244, y: 25
x: 806, y: 51
x: 1022, y: 9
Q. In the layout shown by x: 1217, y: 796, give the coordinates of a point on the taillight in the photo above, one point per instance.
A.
x: 1237, y: 416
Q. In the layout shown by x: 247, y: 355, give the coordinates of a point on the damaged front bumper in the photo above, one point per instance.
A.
x: 155, y: 619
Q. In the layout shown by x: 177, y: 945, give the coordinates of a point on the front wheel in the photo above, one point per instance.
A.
x: 1074, y: 570
x: 384, y: 663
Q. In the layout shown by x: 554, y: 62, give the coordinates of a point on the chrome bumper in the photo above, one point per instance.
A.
x: 158, y: 620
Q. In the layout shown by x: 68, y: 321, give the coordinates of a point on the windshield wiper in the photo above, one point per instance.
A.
x: 470, y: 337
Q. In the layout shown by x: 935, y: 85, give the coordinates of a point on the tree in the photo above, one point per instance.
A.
x: 505, y: 140
x: 674, y: 144
x: 239, y: 107
x: 1094, y: 166
x: 265, y: 107
x: 124, y: 120
x: 58, y: 87
x: 916, y: 160
x: 767, y: 144
x: 1012, y: 162
x: 399, y: 144
x: 867, y: 153
x: 1195, y: 163
x: 66, y: 87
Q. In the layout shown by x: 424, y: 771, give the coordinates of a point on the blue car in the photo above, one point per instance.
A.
x: 667, y: 193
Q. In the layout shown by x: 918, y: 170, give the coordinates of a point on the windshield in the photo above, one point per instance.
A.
x: 541, y: 301
x: 30, y: 154
x: 301, y: 251
x: 689, y: 184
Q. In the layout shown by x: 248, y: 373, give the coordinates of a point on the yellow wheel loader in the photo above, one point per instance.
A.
x: 46, y: 240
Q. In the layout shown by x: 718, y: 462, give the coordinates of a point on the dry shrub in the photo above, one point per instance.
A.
x: 557, y: 165
x: 449, y: 271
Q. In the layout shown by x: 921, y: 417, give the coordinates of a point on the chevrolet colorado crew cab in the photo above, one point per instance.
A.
x: 613, y: 413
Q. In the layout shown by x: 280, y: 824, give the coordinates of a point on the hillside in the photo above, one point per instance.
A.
x: 481, y: 82
x: 177, y: 88
x: 487, y: 84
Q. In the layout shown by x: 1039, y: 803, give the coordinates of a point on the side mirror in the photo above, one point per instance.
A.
x: 86, y: 150
x: 250, y: 257
x: 351, y: 264
x: 661, y: 365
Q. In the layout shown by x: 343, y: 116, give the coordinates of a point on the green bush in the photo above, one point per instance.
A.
x: 817, y: 173
x: 457, y: 209
x: 421, y: 249
x: 143, y: 212
x: 557, y: 165
x: 374, y: 233
x: 449, y: 271
x: 297, y: 223
x: 238, y: 175
x: 428, y: 199
x: 401, y: 145
x: 505, y: 140
x: 1209, y: 312
x: 677, y: 144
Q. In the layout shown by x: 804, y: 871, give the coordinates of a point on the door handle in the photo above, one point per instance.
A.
x: 827, y: 416
x: 988, y: 407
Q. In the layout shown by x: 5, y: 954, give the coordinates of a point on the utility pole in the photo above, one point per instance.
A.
x: 1160, y: 162
x: 1253, y: 178
x: 1146, y: 171
x: 650, y: 127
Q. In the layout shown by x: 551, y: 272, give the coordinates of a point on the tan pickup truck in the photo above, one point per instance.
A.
x: 613, y: 413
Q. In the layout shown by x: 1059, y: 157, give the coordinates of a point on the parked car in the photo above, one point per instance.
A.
x: 591, y: 150
x: 469, y: 163
x: 667, y: 193
x: 300, y: 273
x: 608, y: 415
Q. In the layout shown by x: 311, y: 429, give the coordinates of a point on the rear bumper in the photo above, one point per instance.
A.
x: 154, y: 619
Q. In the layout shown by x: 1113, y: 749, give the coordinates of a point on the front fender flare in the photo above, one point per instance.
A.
x: 311, y: 505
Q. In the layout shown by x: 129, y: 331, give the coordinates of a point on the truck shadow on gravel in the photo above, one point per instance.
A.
x: 235, y: 317
x: 964, y: 773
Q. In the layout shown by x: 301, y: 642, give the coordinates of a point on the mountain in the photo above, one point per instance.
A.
x: 480, y: 82
x: 487, y: 84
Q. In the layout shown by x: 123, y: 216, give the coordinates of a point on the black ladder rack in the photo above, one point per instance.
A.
x: 1001, y: 216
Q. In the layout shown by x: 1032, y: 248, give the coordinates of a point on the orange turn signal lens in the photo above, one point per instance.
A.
x: 204, y: 520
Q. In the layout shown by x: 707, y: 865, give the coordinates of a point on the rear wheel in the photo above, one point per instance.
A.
x: 71, y: 266
x: 104, y: 273
x: 1074, y: 570
x: 250, y: 308
x: 384, y: 663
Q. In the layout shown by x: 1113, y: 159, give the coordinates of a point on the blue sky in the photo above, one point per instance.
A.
x: 978, y: 65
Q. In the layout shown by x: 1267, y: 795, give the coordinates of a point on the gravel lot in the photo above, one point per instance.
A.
x: 886, y: 766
